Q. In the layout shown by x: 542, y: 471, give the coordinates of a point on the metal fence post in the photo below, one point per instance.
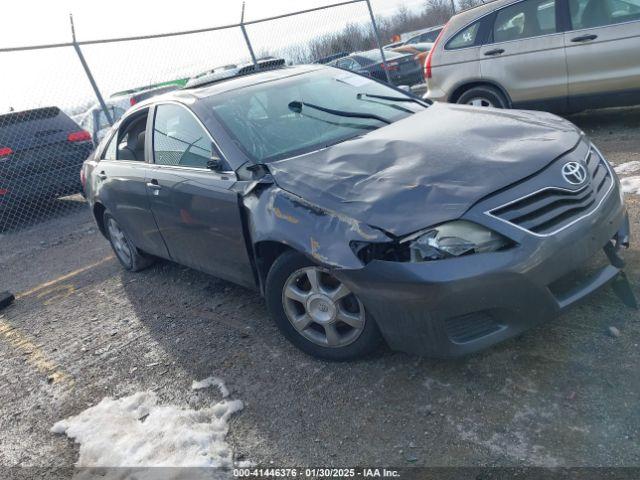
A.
x: 92, y: 81
x: 377, y: 35
x: 246, y: 39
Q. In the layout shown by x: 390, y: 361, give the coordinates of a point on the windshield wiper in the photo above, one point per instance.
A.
x: 395, y: 107
x: 296, y: 107
x: 394, y: 99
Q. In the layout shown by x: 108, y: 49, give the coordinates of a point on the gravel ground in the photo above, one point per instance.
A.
x: 82, y: 329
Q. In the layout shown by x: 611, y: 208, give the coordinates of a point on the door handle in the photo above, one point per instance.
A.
x: 584, y: 38
x: 497, y: 51
x: 102, y: 175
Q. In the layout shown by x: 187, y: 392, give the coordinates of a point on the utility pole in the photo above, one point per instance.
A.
x: 246, y: 39
x: 87, y: 71
x: 453, y: 7
x: 378, y: 41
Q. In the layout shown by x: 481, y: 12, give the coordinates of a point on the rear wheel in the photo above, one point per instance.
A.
x: 317, y: 312
x: 483, y: 96
x: 128, y: 255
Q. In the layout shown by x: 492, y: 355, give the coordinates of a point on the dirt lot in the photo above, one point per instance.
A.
x: 83, y: 329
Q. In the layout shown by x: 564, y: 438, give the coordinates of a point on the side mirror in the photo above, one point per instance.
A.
x: 215, y: 164
x: 295, y: 107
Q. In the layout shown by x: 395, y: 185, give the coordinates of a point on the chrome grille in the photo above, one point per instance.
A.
x: 552, y: 209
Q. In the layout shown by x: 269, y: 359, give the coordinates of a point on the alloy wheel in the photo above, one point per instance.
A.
x: 480, y: 102
x: 322, y: 309
x: 119, y: 241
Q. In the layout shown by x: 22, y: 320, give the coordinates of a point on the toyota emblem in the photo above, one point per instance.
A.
x: 574, y: 173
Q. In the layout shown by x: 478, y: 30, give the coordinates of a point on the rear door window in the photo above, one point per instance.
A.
x: 531, y: 18
x: 466, y: 38
x: 599, y: 13
x: 179, y: 139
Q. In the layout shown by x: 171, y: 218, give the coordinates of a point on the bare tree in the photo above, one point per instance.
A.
x: 359, y: 36
x: 465, y: 4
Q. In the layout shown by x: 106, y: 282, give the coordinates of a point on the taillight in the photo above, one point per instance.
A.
x: 427, y: 64
x: 80, y: 136
x: 390, y: 66
x: 5, y: 152
x: 132, y: 101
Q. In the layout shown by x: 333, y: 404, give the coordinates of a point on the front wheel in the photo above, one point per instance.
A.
x: 317, y: 312
x: 483, y: 96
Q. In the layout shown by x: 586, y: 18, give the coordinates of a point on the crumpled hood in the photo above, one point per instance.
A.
x: 429, y: 167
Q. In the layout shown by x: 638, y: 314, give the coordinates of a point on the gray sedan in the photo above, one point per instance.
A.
x: 360, y: 212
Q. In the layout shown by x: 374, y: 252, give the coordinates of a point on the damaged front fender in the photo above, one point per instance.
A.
x: 276, y: 215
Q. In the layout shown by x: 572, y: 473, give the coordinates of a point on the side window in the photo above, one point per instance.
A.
x: 131, y: 138
x: 466, y: 38
x: 430, y: 37
x: 531, y: 18
x: 110, y: 152
x: 348, y: 64
x: 599, y: 13
x: 179, y: 139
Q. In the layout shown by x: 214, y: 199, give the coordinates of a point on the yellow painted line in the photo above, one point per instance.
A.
x: 35, y: 357
x: 48, y: 284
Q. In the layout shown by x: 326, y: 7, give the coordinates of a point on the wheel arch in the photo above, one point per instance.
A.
x: 265, y: 253
x: 460, y: 89
x: 98, y: 213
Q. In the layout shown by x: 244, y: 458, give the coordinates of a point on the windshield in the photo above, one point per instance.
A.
x: 263, y: 122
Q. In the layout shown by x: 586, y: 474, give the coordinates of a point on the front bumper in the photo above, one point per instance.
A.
x: 458, y: 306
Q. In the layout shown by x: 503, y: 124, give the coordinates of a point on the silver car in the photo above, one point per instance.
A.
x: 558, y: 55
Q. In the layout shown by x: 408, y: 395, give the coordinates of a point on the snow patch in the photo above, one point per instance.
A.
x: 136, y: 431
x: 627, y: 167
x: 631, y: 185
x: 209, y: 382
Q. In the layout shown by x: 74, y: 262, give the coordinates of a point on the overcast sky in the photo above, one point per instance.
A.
x: 28, y: 22
x: 55, y: 76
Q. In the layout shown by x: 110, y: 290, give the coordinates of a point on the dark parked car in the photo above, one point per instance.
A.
x: 358, y: 211
x: 403, y: 68
x: 41, y: 152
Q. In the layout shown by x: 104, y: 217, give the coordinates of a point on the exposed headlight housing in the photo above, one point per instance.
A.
x: 451, y: 239
x: 454, y: 239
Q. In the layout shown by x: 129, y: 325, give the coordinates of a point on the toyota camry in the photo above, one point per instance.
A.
x: 361, y: 213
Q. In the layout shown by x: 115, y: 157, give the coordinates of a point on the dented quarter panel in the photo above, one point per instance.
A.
x: 278, y: 216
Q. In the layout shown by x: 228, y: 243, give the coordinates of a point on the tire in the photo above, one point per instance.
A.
x: 129, y: 256
x: 324, y: 313
x: 484, y: 96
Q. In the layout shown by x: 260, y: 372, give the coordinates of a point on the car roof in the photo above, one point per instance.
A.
x: 426, y: 46
x: 416, y: 33
x: 471, y: 14
x: 376, y: 56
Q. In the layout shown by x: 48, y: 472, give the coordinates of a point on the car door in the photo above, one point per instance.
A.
x: 197, y: 212
x: 603, y: 52
x: 121, y: 184
x: 525, y: 54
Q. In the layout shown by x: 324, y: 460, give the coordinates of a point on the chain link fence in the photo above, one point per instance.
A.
x: 63, y: 98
